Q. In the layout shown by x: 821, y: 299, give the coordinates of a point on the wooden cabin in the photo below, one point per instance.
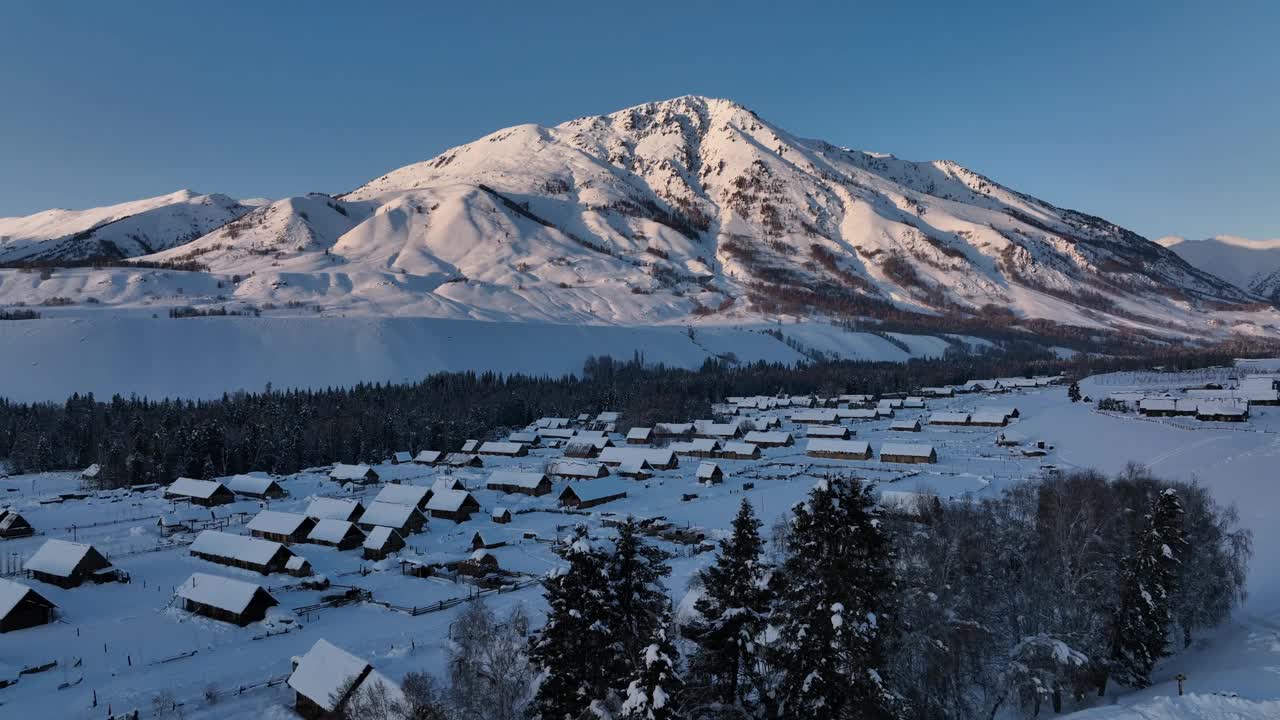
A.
x: 281, y: 527
x: 710, y: 473
x: 912, y: 453
x: 21, y: 607
x: 591, y: 493
x: 413, y: 495
x: 326, y: 678
x: 500, y: 515
x: 65, y: 564
x: 523, y: 483
x: 838, y: 449
x: 404, y: 519
x: 323, y: 508
x: 255, y: 486
x: 356, y: 474
x: 639, y: 436
x: 242, y: 551
x: 207, y: 493
x: 341, y: 534
x: 455, y: 505
x: 13, y: 525
x: 503, y: 449
x: 381, y: 542
x: 225, y: 599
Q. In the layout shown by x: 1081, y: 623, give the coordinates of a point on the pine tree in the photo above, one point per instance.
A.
x: 655, y: 688
x: 834, y: 593
x: 639, y: 606
x: 1141, y: 625
x: 734, y: 611
x: 1073, y: 391
x: 573, y: 650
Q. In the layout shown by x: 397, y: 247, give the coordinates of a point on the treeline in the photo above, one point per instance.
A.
x: 995, y: 608
x: 138, y: 440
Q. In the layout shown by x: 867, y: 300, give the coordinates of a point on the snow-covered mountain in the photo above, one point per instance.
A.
x: 126, y: 230
x: 689, y: 208
x: 1251, y: 265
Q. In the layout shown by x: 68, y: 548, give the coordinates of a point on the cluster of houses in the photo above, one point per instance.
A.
x: 1210, y: 403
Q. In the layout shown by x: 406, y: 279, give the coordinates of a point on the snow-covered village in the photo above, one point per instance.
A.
x: 595, y: 361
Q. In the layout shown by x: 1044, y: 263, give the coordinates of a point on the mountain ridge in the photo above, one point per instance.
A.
x: 696, y: 209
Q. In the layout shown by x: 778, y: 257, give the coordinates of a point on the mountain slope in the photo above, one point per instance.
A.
x: 125, y: 230
x: 1252, y: 265
x: 696, y: 207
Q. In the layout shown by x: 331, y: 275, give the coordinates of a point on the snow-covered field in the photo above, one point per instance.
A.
x: 108, y: 352
x: 125, y: 643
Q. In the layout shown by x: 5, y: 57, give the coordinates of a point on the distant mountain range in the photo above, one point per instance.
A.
x: 691, y: 208
x: 1251, y: 265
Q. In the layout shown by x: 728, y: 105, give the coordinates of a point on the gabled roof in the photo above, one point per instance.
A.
x: 906, y: 449
x: 739, y: 448
x: 569, y: 468
x: 854, y: 447
x: 767, y: 437
x: 515, y: 478
x: 250, y: 484
x: 500, y: 448
x: 707, y: 470
x: 639, y: 433
x: 332, y: 531
x: 276, y: 522
x: 428, y: 456
x: 12, y: 593
x: 596, y: 489
x: 342, y: 471
x: 60, y: 558
x: 836, y: 431
x: 378, y: 537
x: 449, y: 500
x: 957, y: 418
x: 402, y: 494
x: 623, y: 454
x: 189, y: 487
x: 324, y: 672
x: 380, y: 513
x: 252, y: 550
x: 220, y: 592
x: 988, y: 417
x: 403, y: 456
x: 336, y: 508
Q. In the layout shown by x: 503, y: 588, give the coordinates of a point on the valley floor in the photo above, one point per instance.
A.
x: 124, y: 643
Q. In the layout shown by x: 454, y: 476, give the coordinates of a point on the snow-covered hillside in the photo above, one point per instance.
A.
x: 1251, y: 265
x: 686, y: 208
x: 116, y: 231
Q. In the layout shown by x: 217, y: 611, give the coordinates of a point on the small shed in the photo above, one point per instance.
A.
x: 591, y: 493
x: 326, y: 678
x: 325, y: 508
x: 401, y: 457
x: 838, y: 449
x: 404, y: 519
x: 199, y: 492
x: 524, y: 483
x: 358, y: 474
x: 635, y: 469
x: 13, y: 525
x: 91, y: 475
x: 381, y: 542
x: 65, y: 564
x: 461, y: 460
x: 282, y: 527
x: 341, y: 534
x: 905, y: 426
x: 255, y: 486
x: 222, y: 598
x: 913, y: 453
x: 500, y: 515
x: 298, y: 566
x: 455, y: 505
x: 710, y: 473
x: 21, y: 607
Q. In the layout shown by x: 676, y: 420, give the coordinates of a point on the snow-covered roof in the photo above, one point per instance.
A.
x: 388, y: 514
x: 92, y: 471
x: 818, y: 415
x: 707, y: 470
x: 378, y: 537
x: 217, y: 591
x: 403, y: 456
x: 239, y: 547
x: 428, y: 456
x: 297, y: 562
x: 249, y: 484
x: 189, y: 487
x: 402, y: 494
x: 12, y: 593
x: 470, y: 446
x: 596, y: 489
x: 524, y: 438
x: 1221, y: 407
x: 324, y: 672
x: 770, y: 437
x: 336, y: 508
x: 704, y: 445
x: 493, y: 447
x: 853, y: 447
x: 1158, y: 404
x: 739, y: 448
x: 331, y: 531
x: 342, y: 471
x: 448, y: 482
x: 950, y: 418
x: 988, y: 417
x: 639, y: 433
x: 906, y: 449
x: 608, y: 417
x: 655, y: 456
x: 856, y: 413
x: 276, y: 522
x: 515, y: 478
x: 448, y: 501
x: 673, y: 428
x: 836, y: 431
x: 904, y: 425
x: 569, y: 468
x: 57, y: 557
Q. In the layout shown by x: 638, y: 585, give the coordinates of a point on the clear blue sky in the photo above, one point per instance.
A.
x: 1164, y: 117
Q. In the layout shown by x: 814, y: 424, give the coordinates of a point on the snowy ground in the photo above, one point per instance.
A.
x: 114, y: 351
x: 121, y: 633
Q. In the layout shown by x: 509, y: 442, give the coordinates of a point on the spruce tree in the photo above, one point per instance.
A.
x: 834, y: 593
x: 734, y: 611
x: 1073, y: 391
x: 573, y: 649
x: 1141, y: 625
x: 639, y: 606
x: 655, y: 688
